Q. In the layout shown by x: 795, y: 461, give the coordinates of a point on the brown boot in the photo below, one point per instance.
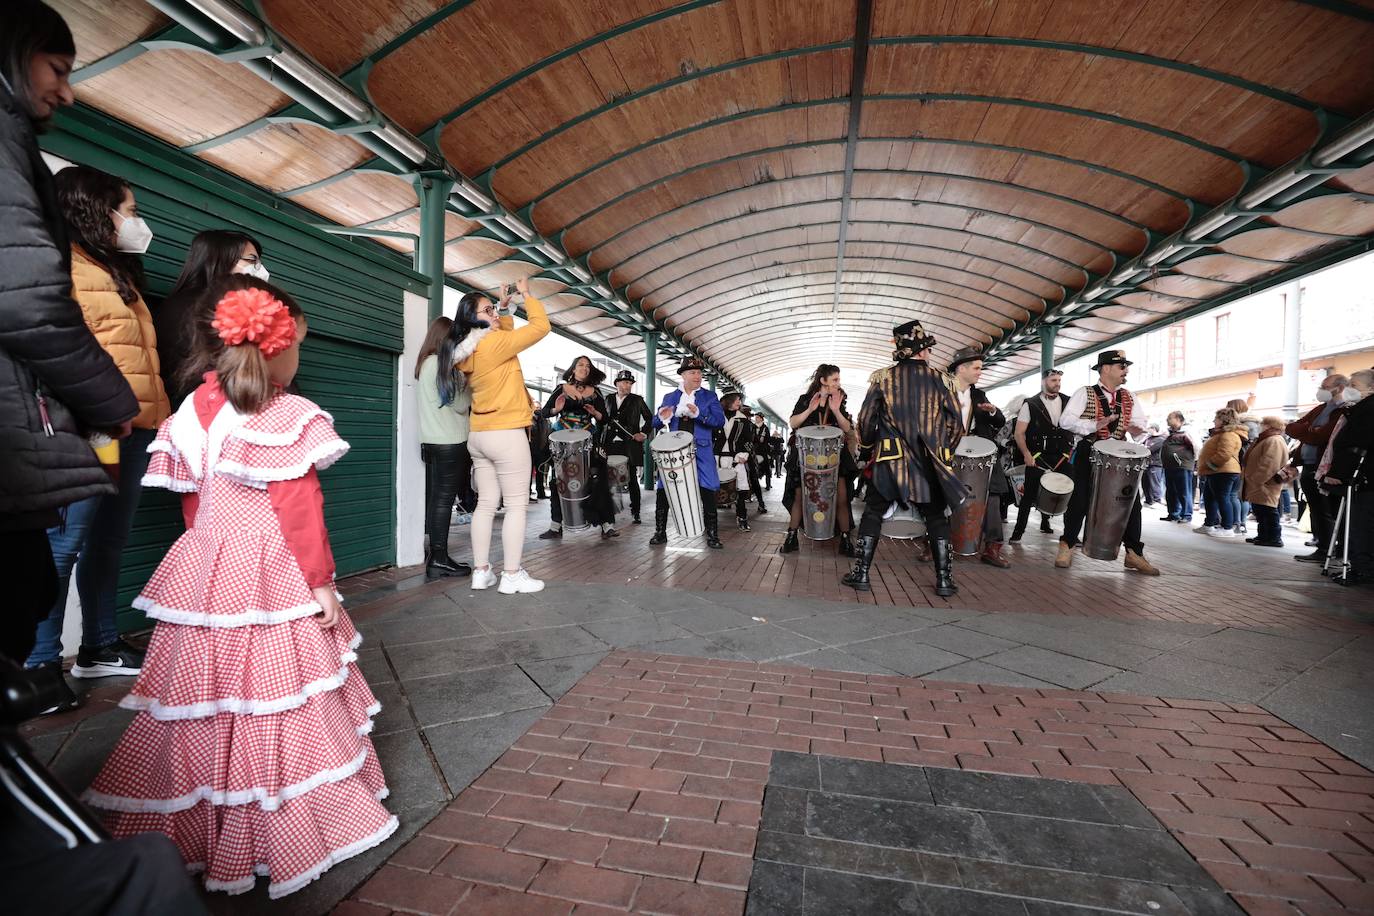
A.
x: 1139, y: 564
x: 1065, y: 558
x: 992, y: 555
x: 922, y: 550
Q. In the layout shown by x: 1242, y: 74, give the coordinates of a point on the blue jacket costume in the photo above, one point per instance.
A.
x: 709, y: 417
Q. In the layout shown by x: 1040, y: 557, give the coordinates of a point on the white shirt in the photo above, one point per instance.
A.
x: 1072, y: 417
x: 1052, y: 404
x: 688, y: 397
x: 966, y: 407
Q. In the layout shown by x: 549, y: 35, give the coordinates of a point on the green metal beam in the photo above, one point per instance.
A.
x: 863, y: 23
x: 805, y: 144
x: 1248, y: 167
x: 1047, y: 335
x: 433, y: 192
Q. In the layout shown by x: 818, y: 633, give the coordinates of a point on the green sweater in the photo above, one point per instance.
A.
x: 441, y: 425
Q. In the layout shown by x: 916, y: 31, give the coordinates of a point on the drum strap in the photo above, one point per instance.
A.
x: 1101, y: 407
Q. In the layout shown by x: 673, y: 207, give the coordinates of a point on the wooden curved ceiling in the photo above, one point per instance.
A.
x: 780, y: 181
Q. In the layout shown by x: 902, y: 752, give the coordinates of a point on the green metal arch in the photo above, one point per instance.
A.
x: 764, y: 251
x: 804, y: 225
x: 779, y: 309
x: 931, y: 203
x: 1039, y: 44
x: 763, y: 151
x: 924, y: 97
x: 714, y: 307
x: 755, y: 270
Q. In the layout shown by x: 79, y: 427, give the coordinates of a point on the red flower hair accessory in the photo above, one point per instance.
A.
x: 255, y: 316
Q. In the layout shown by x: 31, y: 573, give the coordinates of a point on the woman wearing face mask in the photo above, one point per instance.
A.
x: 214, y: 255
x: 107, y: 236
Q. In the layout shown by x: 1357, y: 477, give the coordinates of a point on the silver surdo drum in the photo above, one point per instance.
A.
x: 1117, y: 467
x: 618, y: 470
x: 972, y: 464
x: 571, y: 453
x: 818, y: 454
x: 1055, y: 492
x: 903, y: 524
x: 675, y: 457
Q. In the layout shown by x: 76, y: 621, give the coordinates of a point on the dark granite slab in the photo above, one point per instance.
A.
x: 843, y: 836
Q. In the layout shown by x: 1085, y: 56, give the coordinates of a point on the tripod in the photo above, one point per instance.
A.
x: 1339, y: 570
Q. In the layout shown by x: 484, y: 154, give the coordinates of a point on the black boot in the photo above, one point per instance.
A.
x: 439, y: 565
x: 660, y: 523
x: 857, y: 578
x: 943, y: 555
x: 1045, y: 525
x: 846, y: 545
x: 742, y: 512
x: 713, y: 528
x: 790, y: 545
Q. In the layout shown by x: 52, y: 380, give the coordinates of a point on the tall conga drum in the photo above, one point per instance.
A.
x: 1054, y: 494
x: 618, y: 469
x: 675, y: 456
x: 818, y: 454
x: 1117, y: 467
x: 903, y: 524
x: 972, y: 464
x: 571, y: 453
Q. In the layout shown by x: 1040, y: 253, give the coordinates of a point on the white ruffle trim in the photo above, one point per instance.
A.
x: 468, y: 345
x: 246, y: 618
x: 320, y: 457
x: 163, y: 482
x: 265, y: 799
x: 281, y: 889
x: 260, y: 437
x: 249, y: 707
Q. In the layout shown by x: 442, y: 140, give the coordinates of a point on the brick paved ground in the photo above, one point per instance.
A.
x: 642, y: 787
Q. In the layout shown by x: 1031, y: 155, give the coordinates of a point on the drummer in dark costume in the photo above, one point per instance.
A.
x: 692, y: 409
x: 1096, y: 413
x: 629, y: 424
x: 577, y: 404
x: 734, y: 441
x: 909, y: 427
x: 758, y: 452
x: 763, y: 455
x: 982, y: 418
x: 1043, y: 443
x: 820, y: 405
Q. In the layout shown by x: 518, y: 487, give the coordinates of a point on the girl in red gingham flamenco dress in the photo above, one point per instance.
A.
x: 250, y: 746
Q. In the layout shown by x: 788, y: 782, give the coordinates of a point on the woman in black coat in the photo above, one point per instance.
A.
x: 57, y: 384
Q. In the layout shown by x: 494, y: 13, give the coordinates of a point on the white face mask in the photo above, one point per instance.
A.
x: 1323, y: 396
x: 254, y: 269
x: 133, y: 235
x: 1352, y: 395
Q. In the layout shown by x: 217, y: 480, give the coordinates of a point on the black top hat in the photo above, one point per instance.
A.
x: 1112, y: 358
x: 625, y: 375
x: 911, y: 336
x: 965, y: 355
x: 690, y: 363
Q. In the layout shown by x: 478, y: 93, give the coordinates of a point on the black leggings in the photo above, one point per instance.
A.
x: 448, y: 468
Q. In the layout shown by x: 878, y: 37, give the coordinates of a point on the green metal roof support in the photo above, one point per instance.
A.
x: 433, y: 192
x: 1047, y: 334
x: 650, y: 395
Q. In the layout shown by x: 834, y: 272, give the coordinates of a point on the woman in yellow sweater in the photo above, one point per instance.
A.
x: 107, y: 237
x: 485, y: 345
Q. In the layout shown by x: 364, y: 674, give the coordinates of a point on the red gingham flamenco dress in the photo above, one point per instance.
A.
x: 249, y: 748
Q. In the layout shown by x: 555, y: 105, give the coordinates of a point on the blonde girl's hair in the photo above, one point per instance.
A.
x: 242, y: 369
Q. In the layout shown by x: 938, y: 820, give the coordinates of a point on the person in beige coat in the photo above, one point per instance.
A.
x: 107, y: 237
x: 1264, y: 465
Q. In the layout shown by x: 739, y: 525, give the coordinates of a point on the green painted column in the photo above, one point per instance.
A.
x: 433, y: 193
x: 650, y: 396
x: 1047, y: 333
x: 711, y: 380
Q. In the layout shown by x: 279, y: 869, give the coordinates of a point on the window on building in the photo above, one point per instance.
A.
x: 1224, y: 339
x: 1177, y: 336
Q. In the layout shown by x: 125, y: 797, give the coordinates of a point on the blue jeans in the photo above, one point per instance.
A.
x: 1211, y: 512
x: 1178, y: 490
x: 1226, y: 497
x: 94, y: 532
x: 1286, y: 500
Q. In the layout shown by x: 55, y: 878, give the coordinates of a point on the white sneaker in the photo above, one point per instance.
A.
x: 519, y: 582
x: 482, y: 578
x: 1203, y: 529
x: 1222, y: 533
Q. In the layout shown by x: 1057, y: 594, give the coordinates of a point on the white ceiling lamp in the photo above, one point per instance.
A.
x: 516, y: 226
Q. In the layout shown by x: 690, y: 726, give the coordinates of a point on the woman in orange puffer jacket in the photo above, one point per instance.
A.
x: 107, y: 238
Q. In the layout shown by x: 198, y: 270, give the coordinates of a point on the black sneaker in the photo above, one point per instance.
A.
x: 1314, y: 557
x: 107, y: 661
x: 552, y: 534
x: 59, y: 689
